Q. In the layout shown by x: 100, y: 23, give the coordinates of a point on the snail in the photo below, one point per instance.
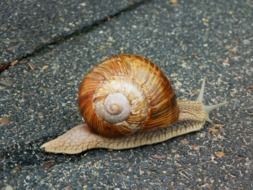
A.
x: 126, y: 101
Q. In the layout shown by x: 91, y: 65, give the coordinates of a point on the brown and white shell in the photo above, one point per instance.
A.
x: 126, y: 94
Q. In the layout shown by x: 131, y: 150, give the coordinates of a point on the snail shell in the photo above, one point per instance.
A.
x: 126, y: 94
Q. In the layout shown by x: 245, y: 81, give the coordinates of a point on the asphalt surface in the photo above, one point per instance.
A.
x: 189, y: 40
x: 26, y: 26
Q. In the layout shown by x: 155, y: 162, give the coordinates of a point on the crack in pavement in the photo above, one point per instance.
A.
x: 60, y: 39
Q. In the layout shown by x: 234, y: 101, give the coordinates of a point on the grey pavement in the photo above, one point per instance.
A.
x: 189, y: 40
x: 27, y: 26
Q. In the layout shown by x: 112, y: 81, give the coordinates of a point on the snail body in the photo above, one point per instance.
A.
x: 126, y: 102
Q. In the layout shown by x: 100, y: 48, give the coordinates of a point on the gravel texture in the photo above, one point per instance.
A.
x: 27, y: 26
x: 189, y: 40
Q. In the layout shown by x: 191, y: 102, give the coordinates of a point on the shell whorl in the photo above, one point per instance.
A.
x: 125, y: 94
x: 114, y: 109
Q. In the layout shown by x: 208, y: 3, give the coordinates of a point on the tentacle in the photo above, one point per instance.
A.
x: 201, y: 93
x: 208, y: 108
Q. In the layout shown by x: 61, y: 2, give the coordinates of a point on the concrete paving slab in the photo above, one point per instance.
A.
x: 189, y: 40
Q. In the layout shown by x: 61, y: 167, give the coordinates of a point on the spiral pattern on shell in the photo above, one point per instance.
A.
x: 126, y: 94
